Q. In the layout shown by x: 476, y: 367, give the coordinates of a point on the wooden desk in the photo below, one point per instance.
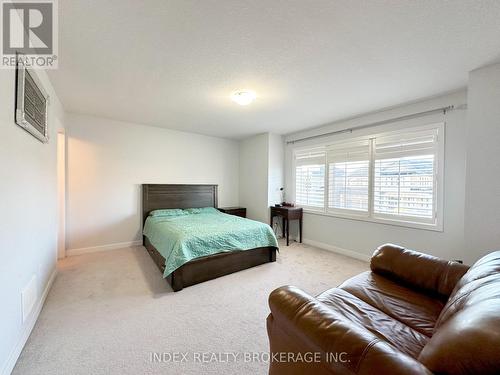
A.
x: 287, y: 214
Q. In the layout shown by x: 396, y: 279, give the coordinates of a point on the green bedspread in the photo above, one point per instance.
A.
x: 182, y: 238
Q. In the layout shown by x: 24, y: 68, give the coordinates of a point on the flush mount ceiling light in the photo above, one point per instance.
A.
x: 243, y: 97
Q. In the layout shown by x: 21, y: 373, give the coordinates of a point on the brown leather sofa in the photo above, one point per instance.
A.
x: 411, y: 314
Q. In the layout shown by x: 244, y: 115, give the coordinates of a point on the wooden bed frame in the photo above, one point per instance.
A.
x: 155, y: 196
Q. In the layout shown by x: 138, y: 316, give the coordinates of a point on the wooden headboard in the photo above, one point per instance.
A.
x: 156, y: 196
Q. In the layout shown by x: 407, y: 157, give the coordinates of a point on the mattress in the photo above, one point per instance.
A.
x: 180, y: 239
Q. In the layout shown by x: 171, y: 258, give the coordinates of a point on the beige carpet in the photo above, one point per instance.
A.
x: 108, y: 312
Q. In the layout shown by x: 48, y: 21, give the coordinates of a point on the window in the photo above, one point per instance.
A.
x: 404, y: 175
x: 348, y: 174
x: 310, y: 179
x: 390, y: 177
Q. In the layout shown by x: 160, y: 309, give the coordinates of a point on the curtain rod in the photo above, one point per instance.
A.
x: 388, y: 121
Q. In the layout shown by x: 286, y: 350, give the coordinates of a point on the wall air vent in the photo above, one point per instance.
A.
x: 31, y: 103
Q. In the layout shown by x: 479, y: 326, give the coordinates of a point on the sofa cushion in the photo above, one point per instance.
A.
x: 467, y: 335
x: 394, y: 332
x: 412, y: 307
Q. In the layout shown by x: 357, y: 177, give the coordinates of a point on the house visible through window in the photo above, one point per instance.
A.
x: 384, y: 177
x: 405, y: 186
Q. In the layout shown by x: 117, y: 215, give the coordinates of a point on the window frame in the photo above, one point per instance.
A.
x: 434, y: 224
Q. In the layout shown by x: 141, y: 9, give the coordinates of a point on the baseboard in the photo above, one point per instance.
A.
x: 28, y: 327
x: 95, y: 249
x: 338, y: 250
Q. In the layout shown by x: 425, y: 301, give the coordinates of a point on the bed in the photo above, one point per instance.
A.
x: 198, y: 261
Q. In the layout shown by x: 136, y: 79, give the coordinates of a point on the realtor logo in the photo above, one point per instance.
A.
x: 29, y: 31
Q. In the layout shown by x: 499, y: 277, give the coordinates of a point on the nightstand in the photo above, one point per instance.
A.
x: 236, y: 211
x: 287, y: 214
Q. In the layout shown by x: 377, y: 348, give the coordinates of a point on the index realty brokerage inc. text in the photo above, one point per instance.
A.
x: 228, y: 357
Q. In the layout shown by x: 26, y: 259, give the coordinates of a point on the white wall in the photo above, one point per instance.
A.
x: 361, y: 237
x: 28, y: 220
x: 482, y: 209
x: 109, y: 160
x: 276, y: 168
x: 253, y: 174
x: 261, y: 174
x: 61, y: 195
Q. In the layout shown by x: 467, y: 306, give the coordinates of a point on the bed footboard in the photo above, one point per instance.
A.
x: 212, y: 266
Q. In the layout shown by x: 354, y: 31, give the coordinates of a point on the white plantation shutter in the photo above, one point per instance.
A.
x: 310, y: 178
x: 348, y: 176
x: 418, y: 142
x: 405, y: 175
x: 387, y: 177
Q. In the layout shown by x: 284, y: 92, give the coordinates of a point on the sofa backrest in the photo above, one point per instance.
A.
x: 466, y: 337
x: 423, y: 271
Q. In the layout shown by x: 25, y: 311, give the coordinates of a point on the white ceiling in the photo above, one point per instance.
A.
x: 174, y: 64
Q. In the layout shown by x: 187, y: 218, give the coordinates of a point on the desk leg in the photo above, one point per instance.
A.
x: 300, y: 230
x: 271, y: 221
x: 283, y: 228
x: 287, y: 232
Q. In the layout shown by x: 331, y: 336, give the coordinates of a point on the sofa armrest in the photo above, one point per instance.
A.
x: 301, y: 324
x: 419, y: 270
